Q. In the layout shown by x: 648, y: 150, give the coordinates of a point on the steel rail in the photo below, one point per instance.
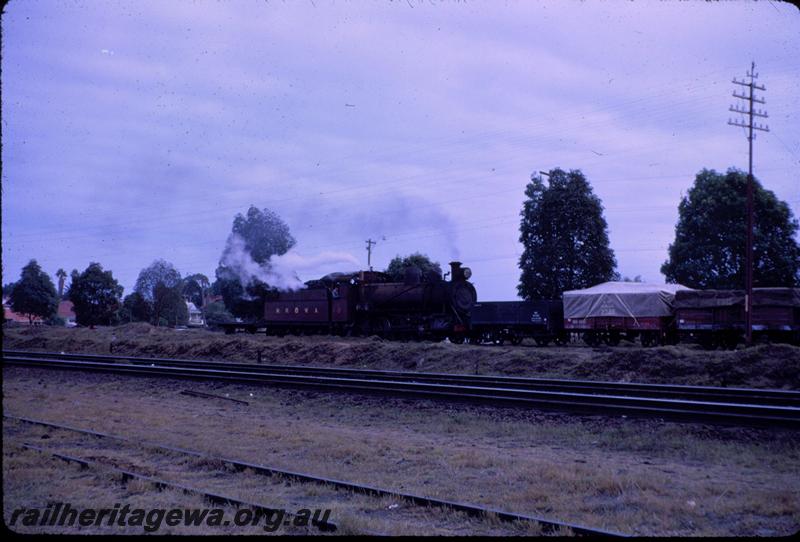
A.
x: 672, y: 391
x: 324, y: 526
x: 690, y: 410
x: 472, y: 510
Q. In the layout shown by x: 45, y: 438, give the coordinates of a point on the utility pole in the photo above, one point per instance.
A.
x: 370, y: 243
x: 750, y: 113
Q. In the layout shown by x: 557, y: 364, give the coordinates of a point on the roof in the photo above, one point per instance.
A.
x: 620, y: 287
x: 66, y: 309
x: 12, y: 316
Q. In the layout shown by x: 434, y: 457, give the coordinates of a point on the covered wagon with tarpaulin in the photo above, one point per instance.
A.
x: 612, y: 311
x: 716, y: 318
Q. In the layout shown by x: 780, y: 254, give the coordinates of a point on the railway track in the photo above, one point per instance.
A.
x: 736, y: 406
x: 126, y: 475
x: 548, y: 526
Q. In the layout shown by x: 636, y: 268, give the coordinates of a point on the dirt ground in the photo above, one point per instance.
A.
x: 764, y: 366
x: 636, y: 476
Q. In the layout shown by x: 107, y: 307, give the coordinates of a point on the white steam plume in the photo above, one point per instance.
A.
x: 279, y: 271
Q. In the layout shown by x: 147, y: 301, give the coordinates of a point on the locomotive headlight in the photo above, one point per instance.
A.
x: 467, y: 273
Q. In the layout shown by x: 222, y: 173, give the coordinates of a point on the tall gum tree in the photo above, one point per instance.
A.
x: 564, y: 235
x: 161, y: 286
x: 264, y: 235
x: 711, y: 233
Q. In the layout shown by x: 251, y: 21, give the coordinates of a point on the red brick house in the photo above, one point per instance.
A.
x: 22, y: 319
x: 65, y: 311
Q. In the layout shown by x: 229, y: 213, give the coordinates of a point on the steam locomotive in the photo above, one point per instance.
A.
x: 422, y: 306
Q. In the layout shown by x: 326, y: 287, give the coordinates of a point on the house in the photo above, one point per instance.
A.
x: 195, y: 316
x: 18, y: 319
x: 67, y: 312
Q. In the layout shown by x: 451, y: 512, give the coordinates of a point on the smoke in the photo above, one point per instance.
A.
x: 280, y: 272
x: 409, y: 223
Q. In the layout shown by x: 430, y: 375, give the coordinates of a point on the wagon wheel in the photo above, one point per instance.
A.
x: 383, y: 328
x: 591, y: 338
x: 516, y: 340
x: 650, y: 338
x: 730, y: 341
x: 543, y: 341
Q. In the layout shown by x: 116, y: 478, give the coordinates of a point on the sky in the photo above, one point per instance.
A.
x: 136, y: 130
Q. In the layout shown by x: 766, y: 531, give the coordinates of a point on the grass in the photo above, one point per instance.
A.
x: 636, y: 476
x: 765, y: 366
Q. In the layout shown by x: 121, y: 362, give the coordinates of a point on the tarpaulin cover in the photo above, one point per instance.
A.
x: 625, y: 299
x: 780, y: 297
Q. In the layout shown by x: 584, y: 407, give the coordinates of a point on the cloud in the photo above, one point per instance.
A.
x: 186, y: 116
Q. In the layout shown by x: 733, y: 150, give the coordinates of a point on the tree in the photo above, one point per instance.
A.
x: 254, y: 238
x: 34, y: 294
x: 7, y: 289
x: 564, y: 235
x: 711, y: 233
x: 195, y: 287
x: 169, y: 306
x: 135, y: 308
x: 216, y: 313
x: 264, y: 234
x: 95, y: 295
x: 73, y: 276
x: 62, y: 276
x: 161, y: 286
x: 397, y: 267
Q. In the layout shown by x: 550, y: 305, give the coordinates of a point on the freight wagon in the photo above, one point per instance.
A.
x: 716, y: 318
x: 498, y: 321
x: 612, y: 311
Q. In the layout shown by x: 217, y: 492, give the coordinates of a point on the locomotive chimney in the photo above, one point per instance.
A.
x: 456, y: 273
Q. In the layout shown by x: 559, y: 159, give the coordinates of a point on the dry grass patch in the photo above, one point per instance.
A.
x: 770, y: 366
x: 630, y: 475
